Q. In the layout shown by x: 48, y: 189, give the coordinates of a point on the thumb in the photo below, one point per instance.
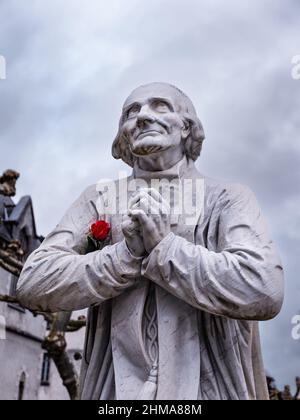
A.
x: 129, y: 225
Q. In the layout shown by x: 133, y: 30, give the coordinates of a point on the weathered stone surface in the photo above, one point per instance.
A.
x: 175, y: 298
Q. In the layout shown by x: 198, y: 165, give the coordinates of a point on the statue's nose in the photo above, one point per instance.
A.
x: 145, y: 115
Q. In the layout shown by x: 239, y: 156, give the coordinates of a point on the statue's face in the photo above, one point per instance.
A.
x: 152, y: 121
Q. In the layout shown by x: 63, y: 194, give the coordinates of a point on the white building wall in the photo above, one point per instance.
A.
x: 21, y: 355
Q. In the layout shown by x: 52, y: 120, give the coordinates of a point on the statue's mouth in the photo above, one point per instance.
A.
x: 146, y: 147
x: 146, y: 142
x: 147, y: 133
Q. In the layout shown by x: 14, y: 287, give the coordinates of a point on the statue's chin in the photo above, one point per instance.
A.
x: 146, y: 148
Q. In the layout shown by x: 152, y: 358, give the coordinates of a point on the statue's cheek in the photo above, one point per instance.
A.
x: 129, y: 128
x: 173, y: 120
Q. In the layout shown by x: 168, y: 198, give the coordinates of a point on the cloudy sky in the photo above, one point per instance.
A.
x: 71, y: 64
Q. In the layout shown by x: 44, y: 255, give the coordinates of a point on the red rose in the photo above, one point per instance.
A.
x: 100, y: 230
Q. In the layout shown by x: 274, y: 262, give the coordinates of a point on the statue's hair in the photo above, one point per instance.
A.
x: 192, y: 145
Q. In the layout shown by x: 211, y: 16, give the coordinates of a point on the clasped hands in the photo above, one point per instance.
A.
x: 147, y: 223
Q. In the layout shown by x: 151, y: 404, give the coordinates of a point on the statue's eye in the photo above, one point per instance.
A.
x: 133, y: 111
x: 161, y: 106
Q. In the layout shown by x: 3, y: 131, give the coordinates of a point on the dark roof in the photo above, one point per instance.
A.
x: 17, y: 217
x: 6, y: 205
x: 18, y: 211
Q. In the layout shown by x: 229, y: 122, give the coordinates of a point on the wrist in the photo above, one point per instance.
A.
x: 137, y: 254
x: 169, y: 236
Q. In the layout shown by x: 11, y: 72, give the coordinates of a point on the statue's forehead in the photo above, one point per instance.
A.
x: 148, y: 92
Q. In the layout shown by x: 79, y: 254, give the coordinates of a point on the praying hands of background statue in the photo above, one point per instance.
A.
x: 148, y: 221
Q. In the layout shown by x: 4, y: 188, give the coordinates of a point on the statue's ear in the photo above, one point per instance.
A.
x: 197, y: 131
x: 186, y: 129
x: 121, y: 150
x: 194, y: 127
x: 193, y: 144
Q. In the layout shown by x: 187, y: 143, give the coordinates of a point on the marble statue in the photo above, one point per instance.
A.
x: 174, y: 300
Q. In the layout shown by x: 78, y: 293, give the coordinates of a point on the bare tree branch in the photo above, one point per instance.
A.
x: 9, y: 268
x: 8, y: 299
x: 75, y: 325
x: 55, y: 344
x: 11, y: 261
x: 297, y: 380
x: 12, y: 299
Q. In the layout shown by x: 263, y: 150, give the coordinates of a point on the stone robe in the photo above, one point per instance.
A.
x: 212, y: 282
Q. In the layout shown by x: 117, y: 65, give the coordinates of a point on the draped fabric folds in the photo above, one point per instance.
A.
x: 181, y: 323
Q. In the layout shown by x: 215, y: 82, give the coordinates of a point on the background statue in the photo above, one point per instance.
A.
x: 8, y: 182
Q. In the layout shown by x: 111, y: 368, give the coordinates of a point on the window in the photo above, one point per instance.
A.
x: 45, y: 376
x: 13, y: 292
x: 24, y: 240
x: 21, y: 388
x: 13, y: 285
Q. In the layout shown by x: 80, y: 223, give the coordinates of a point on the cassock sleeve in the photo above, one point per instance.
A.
x: 241, y: 278
x: 58, y: 276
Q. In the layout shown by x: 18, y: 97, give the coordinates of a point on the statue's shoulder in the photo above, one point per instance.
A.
x: 89, y: 193
x: 223, y: 192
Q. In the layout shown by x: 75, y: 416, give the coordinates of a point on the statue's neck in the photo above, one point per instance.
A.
x: 160, y: 161
x: 178, y: 170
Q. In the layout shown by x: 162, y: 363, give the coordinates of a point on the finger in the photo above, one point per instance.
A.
x: 128, y: 217
x: 137, y: 196
x: 126, y: 229
x: 152, y: 192
x: 140, y: 215
x: 130, y: 226
x: 165, y: 206
x: 155, y: 194
x: 158, y: 207
x: 148, y: 205
x: 134, y: 222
